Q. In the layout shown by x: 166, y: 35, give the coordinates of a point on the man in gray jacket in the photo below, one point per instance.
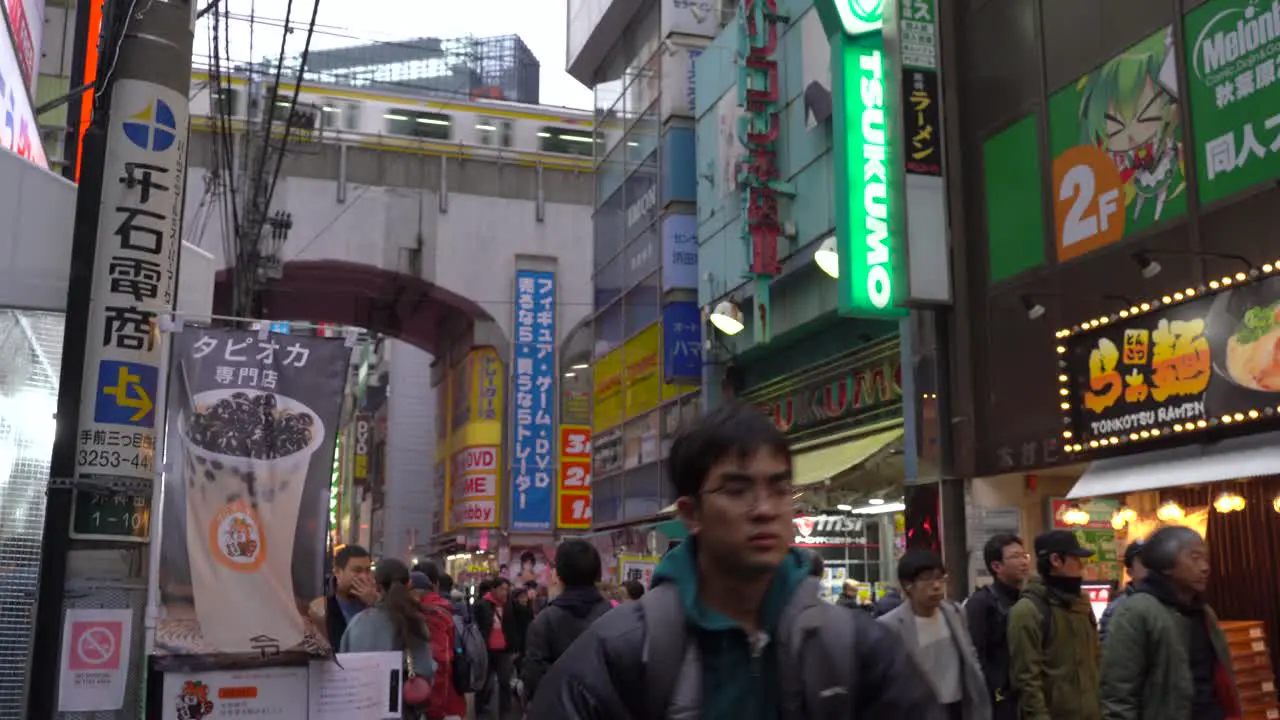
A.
x: 935, y: 634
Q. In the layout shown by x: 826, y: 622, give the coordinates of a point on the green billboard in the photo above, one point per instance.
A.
x: 1233, y: 58
x: 1116, y: 142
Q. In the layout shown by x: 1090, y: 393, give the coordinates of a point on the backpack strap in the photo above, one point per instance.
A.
x: 664, y: 653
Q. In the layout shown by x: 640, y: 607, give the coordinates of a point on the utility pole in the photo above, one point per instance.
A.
x: 264, y: 143
x: 124, y: 271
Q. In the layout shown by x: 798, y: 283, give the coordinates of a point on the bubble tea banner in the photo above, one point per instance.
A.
x: 248, y: 459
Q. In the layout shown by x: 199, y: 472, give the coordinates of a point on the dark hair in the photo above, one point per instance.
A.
x: 736, y: 429
x: 528, y: 557
x: 483, y: 588
x: 816, y: 564
x: 634, y: 589
x: 1132, y: 552
x: 993, y: 551
x: 346, y: 553
x: 446, y: 583
x: 1160, y: 552
x: 404, y: 610
x: 432, y: 571
x: 498, y: 582
x: 578, y: 563
x: 915, y: 563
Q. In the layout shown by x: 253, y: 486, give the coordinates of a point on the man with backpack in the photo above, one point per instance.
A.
x: 578, y: 605
x: 732, y: 626
x: 1053, y: 639
x: 987, y: 612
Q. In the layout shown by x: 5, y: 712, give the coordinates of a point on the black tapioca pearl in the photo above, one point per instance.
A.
x: 216, y: 465
x: 210, y: 476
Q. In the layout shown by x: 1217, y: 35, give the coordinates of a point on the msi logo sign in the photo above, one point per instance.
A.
x: 826, y: 529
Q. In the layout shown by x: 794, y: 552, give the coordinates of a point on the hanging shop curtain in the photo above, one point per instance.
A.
x: 1234, y: 459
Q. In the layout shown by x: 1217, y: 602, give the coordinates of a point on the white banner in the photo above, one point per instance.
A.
x: 18, y: 134
x: 265, y: 694
x: 679, y: 86
x: 26, y: 24
x: 133, y: 280
x: 95, y: 660
x: 690, y: 17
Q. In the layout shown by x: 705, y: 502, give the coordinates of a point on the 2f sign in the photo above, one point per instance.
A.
x: 1088, y: 201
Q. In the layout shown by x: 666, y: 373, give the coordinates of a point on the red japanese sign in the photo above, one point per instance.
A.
x: 573, y: 490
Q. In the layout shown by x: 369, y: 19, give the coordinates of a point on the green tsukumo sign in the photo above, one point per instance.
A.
x: 867, y: 168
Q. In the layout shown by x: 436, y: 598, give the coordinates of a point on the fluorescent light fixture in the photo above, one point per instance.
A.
x: 395, y: 117
x: 330, y: 109
x: 571, y: 374
x: 876, y: 501
x: 581, y: 366
x: 879, y: 509
x: 727, y: 318
x: 845, y: 508
x: 488, y: 128
x: 828, y: 257
x: 544, y: 134
x: 432, y: 121
x: 576, y: 138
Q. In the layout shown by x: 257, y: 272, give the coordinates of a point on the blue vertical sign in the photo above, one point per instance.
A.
x: 533, y: 459
x: 681, y: 342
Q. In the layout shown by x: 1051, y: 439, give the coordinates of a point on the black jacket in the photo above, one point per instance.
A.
x: 555, y: 629
x: 602, y: 676
x: 515, y: 625
x: 483, y: 613
x: 987, y: 613
x: 887, y: 604
x: 335, y: 622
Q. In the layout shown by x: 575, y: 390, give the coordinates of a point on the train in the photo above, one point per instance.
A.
x: 476, y: 128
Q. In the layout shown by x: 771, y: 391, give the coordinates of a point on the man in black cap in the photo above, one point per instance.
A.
x: 1137, y: 572
x: 1053, y: 642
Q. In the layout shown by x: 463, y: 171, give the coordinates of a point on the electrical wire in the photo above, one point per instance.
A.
x: 105, y: 79
x: 293, y: 104
x: 261, y: 169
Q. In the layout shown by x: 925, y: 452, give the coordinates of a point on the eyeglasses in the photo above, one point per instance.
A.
x: 748, y: 495
x: 1017, y: 556
x: 928, y: 579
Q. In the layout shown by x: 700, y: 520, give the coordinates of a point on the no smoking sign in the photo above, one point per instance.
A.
x: 95, y: 645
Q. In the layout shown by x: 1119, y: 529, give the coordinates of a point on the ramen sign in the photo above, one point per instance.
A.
x: 1184, y: 364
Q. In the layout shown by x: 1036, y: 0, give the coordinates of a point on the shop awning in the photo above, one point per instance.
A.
x: 1234, y: 459
x: 815, y: 466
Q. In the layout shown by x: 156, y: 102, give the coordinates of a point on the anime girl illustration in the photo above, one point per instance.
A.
x: 1129, y: 109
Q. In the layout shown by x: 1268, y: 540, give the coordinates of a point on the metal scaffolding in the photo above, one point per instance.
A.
x: 500, y: 67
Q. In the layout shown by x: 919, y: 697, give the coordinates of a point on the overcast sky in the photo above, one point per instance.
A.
x: 541, y: 23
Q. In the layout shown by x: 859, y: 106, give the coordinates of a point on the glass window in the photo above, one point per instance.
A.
x: 642, y: 257
x: 491, y: 132
x: 640, y: 306
x: 331, y: 113
x: 642, y: 140
x: 608, y: 229
x: 642, y: 491
x: 606, y: 497
x: 609, y: 329
x: 567, y: 141
x: 280, y: 105
x: 609, y: 175
x: 609, y: 281
x: 418, y: 123
x: 351, y: 117
x: 505, y: 129
x: 226, y: 101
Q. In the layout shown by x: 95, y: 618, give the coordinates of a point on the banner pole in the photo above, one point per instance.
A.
x: 152, y: 617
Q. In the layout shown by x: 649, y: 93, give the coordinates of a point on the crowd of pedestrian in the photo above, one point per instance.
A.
x: 732, y: 625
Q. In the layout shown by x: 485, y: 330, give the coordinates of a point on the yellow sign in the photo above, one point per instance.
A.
x: 472, y: 452
x: 129, y: 393
x: 642, y: 371
x: 608, y: 398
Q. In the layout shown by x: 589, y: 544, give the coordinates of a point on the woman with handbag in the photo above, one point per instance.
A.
x: 397, y: 624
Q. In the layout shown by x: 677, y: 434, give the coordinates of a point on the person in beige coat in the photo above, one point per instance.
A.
x: 937, y: 638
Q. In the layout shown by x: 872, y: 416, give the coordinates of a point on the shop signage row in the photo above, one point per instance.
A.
x: 682, y: 342
x: 470, y: 410
x: 679, y: 252
x: 1197, y: 359
x: 363, y: 442
x: 854, y: 390
x: 533, y: 436
x: 629, y: 381
x: 574, y: 489
x: 758, y: 91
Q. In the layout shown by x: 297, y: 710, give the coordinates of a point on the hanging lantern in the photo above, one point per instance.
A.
x: 1171, y: 512
x: 1122, y: 517
x: 1075, y: 516
x: 1228, y: 502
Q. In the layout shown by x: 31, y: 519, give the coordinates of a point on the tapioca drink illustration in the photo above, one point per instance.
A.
x: 245, y: 467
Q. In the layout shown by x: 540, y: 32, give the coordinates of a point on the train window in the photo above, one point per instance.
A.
x: 565, y: 140
x: 331, y: 113
x: 226, y: 101
x: 351, y: 116
x: 416, y: 123
x: 494, y: 132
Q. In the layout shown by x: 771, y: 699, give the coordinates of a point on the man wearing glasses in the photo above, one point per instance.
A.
x: 732, y: 626
x: 934, y: 632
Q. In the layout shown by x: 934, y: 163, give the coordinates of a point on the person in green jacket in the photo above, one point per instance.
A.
x: 1053, y: 640
x: 1165, y: 655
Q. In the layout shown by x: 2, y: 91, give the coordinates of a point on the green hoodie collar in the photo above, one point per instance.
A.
x: 680, y: 566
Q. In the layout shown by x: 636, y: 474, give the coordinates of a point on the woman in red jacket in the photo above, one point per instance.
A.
x: 445, y: 702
